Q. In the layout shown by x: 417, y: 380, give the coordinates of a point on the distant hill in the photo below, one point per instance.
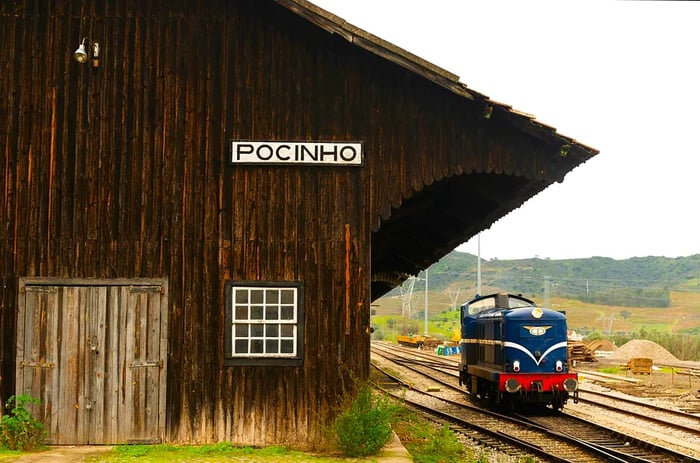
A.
x: 636, y: 282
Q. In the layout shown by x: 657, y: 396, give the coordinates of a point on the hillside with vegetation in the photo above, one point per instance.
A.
x: 636, y: 282
x: 654, y: 298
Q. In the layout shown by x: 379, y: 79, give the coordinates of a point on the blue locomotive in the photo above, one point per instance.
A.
x: 514, y: 353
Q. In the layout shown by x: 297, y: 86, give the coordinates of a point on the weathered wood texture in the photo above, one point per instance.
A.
x: 95, y: 355
x: 121, y: 172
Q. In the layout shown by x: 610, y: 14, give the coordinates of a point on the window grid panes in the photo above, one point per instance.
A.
x: 264, y: 321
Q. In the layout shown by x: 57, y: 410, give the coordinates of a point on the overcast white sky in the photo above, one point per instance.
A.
x: 620, y: 76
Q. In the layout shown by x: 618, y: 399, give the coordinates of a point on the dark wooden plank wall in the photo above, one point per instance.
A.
x: 121, y: 172
x: 451, y: 139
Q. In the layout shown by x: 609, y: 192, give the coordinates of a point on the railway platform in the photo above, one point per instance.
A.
x: 394, y: 452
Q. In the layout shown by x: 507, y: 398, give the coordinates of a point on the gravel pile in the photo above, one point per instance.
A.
x: 601, y: 345
x: 643, y: 348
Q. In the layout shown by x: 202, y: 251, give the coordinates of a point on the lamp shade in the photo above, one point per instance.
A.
x: 80, y: 54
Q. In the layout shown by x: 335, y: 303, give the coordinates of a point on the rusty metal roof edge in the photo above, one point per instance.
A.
x: 380, y: 47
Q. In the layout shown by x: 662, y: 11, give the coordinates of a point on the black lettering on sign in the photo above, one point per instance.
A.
x: 297, y: 153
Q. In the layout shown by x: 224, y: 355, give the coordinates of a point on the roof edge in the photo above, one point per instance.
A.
x: 413, y: 63
x: 378, y: 46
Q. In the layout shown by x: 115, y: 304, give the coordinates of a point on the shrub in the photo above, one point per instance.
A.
x: 446, y: 445
x: 18, y: 429
x: 429, y: 442
x: 364, y: 426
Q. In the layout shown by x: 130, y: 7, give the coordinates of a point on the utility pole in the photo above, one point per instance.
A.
x: 406, y: 294
x: 546, y: 290
x: 454, y: 297
x: 426, y: 301
x: 478, y: 264
x: 609, y: 321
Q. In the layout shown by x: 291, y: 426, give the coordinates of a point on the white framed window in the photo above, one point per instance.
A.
x: 264, y: 323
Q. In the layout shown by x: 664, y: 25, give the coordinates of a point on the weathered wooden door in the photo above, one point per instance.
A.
x: 95, y: 354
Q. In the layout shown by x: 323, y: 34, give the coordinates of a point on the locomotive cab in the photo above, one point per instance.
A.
x: 515, y: 352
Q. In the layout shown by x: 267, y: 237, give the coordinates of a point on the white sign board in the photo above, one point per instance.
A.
x: 323, y: 153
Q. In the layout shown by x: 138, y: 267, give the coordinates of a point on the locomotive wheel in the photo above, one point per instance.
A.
x: 488, y: 392
x: 558, y: 402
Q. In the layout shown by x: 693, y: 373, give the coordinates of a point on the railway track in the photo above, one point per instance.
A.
x: 585, y: 440
x: 682, y: 424
x: 626, y: 447
x: 676, y: 421
x: 476, y: 426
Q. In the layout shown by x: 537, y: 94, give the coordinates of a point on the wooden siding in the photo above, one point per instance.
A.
x: 94, y: 353
x: 121, y: 172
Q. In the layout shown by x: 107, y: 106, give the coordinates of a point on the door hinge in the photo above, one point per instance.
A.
x: 24, y: 364
x: 146, y: 289
x: 39, y: 289
x: 154, y: 363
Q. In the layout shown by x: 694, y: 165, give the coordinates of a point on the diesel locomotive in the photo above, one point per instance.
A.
x: 514, y: 353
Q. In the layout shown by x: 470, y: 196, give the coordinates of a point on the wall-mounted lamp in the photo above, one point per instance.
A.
x: 81, y: 54
x: 564, y: 150
x: 488, y: 110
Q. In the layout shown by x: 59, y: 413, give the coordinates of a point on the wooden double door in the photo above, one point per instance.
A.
x: 94, y: 353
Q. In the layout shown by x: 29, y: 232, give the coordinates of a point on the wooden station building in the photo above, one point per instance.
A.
x: 199, y: 206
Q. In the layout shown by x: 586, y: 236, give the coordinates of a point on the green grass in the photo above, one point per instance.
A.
x: 613, y: 370
x: 214, y: 453
x: 428, y: 443
x: 5, y: 454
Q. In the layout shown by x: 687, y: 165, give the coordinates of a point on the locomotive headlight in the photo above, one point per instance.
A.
x: 512, y: 385
x: 536, y: 312
x: 570, y: 384
x: 559, y: 365
x: 516, y: 365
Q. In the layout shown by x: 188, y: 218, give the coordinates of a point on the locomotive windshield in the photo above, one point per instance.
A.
x: 500, y: 300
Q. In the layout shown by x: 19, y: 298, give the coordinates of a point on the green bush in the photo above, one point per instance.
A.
x: 18, y: 429
x: 428, y: 442
x: 364, y: 426
x: 442, y: 447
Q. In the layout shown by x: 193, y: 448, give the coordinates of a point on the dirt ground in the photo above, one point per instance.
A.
x: 674, y: 386
x: 63, y: 454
